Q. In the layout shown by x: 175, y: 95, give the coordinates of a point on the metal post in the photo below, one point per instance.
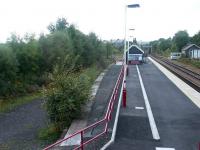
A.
x: 127, y: 71
x: 124, y: 94
x: 124, y: 91
x: 199, y: 145
x: 128, y: 49
x: 125, y: 17
x: 81, y: 140
x: 110, y: 112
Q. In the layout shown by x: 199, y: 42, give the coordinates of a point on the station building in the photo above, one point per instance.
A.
x: 191, y: 51
x: 134, y: 55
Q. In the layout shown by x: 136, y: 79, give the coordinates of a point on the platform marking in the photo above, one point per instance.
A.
x: 163, y: 148
x: 139, y: 108
x: 152, y: 123
x: 119, y: 63
x: 191, y: 93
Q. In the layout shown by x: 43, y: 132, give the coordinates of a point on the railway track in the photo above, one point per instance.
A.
x: 188, y: 75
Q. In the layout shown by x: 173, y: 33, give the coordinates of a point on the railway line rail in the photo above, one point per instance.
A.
x: 190, y: 76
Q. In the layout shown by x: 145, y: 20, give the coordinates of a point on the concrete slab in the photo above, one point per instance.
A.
x: 75, y: 126
x: 119, y: 63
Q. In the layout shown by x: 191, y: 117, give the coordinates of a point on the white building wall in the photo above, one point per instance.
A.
x: 196, y: 53
x: 135, y: 57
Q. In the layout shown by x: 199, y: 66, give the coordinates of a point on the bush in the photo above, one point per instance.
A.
x: 65, y: 98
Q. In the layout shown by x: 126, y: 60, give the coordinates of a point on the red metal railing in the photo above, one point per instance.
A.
x: 103, y: 121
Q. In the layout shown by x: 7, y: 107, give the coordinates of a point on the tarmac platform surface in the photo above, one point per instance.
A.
x: 176, y: 117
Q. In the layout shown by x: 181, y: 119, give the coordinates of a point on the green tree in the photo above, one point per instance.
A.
x: 8, y: 71
x: 31, y: 60
x: 181, y: 38
x: 61, y: 24
x: 196, y: 39
x: 155, y: 47
x: 165, y: 44
x: 28, y: 58
x: 54, y: 48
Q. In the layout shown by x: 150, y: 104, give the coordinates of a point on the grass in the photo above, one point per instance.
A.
x: 92, y: 73
x: 7, y: 105
x: 192, y: 62
x: 49, y: 134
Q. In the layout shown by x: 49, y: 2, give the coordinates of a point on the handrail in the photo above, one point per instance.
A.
x: 105, y: 120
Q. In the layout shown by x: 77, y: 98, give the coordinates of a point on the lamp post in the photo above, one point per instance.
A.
x: 127, y: 6
x: 130, y: 37
x: 128, y: 46
x: 125, y: 61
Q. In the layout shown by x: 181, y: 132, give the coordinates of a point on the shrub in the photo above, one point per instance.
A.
x: 66, y: 96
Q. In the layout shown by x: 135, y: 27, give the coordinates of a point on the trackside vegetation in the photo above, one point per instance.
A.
x: 63, y: 63
x: 174, y: 44
x: 180, y: 39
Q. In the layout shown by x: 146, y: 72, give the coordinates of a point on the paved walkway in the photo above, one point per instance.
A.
x: 19, y: 128
x: 103, y: 94
x: 176, y: 116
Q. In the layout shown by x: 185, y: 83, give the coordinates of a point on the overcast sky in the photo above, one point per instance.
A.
x: 153, y: 20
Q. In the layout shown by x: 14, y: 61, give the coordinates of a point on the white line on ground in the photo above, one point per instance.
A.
x: 139, y: 107
x: 164, y: 148
x: 119, y: 63
x: 153, y: 126
x: 191, y: 93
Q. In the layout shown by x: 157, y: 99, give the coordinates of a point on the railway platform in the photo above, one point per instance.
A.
x: 172, y: 123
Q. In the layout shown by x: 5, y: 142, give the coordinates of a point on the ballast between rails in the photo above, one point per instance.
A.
x: 104, y: 121
x: 185, y: 70
x: 189, y: 76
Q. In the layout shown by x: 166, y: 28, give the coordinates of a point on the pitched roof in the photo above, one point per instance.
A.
x: 188, y: 46
x: 136, y: 47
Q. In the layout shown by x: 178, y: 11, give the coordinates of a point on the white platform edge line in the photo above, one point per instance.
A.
x: 164, y: 148
x: 191, y: 93
x: 116, y: 121
x: 152, y: 123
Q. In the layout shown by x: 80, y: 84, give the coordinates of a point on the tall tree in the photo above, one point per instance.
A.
x: 196, y: 39
x: 8, y: 70
x: 164, y: 44
x: 181, y: 38
x: 60, y: 25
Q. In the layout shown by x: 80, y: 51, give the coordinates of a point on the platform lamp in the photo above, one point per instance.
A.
x: 130, y: 37
x: 125, y: 61
x: 127, y: 6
